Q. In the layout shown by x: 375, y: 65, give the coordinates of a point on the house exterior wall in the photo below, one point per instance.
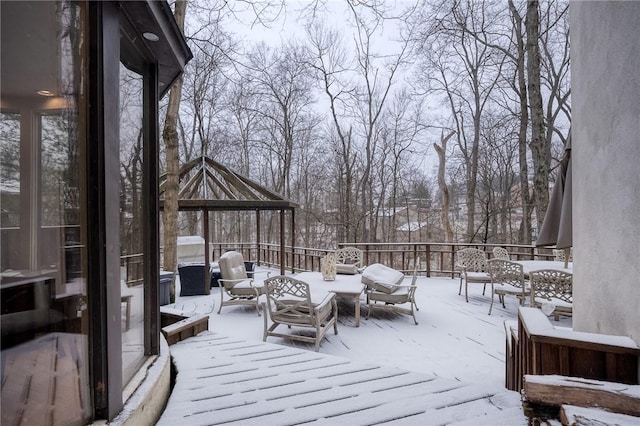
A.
x: 606, y: 166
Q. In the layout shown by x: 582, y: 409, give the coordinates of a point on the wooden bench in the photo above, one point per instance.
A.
x: 177, y: 326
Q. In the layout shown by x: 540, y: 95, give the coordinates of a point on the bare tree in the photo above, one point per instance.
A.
x: 468, y: 71
x: 441, y: 150
x: 280, y: 79
x: 540, y: 148
x: 332, y: 67
x: 371, y: 95
x: 170, y: 137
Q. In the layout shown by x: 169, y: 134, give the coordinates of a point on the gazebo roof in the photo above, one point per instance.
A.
x: 205, y: 184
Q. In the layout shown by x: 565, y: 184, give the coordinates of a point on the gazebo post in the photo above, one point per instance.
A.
x: 207, y: 264
x: 258, y: 236
x: 282, y: 253
x: 293, y: 235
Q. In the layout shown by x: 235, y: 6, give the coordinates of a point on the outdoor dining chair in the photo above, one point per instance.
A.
x: 290, y: 303
x: 348, y: 260
x: 560, y: 255
x: 472, y: 264
x: 393, y: 297
x: 501, y: 253
x: 552, y: 291
x: 235, y: 282
x: 507, y: 278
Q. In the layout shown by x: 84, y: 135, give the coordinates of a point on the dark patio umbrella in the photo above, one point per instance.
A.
x: 557, y: 225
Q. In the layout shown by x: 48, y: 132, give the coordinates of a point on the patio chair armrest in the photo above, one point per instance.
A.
x: 233, y: 282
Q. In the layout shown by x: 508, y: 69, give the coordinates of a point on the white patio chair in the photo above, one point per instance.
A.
x: 348, y: 260
x: 393, y: 296
x: 290, y: 303
x: 553, y: 288
x: 501, y: 253
x: 561, y: 256
x: 507, y: 278
x: 472, y: 264
x: 235, y: 283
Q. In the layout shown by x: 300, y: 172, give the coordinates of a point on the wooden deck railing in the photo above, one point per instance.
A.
x: 436, y: 258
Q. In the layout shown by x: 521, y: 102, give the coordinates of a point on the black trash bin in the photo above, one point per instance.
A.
x: 165, y: 287
x: 195, y: 279
x: 250, y: 267
x: 215, y: 276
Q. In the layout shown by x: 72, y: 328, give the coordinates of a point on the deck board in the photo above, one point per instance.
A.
x: 252, y: 382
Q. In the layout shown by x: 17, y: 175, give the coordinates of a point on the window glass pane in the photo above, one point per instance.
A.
x: 131, y: 143
x: 59, y: 172
x: 9, y: 170
x: 44, y: 321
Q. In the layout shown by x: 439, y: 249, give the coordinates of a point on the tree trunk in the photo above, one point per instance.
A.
x: 540, y: 149
x: 170, y: 136
x: 444, y: 188
x: 524, y: 233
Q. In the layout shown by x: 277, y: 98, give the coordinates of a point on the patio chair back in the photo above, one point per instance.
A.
x: 472, y: 264
x: 349, y: 256
x: 507, y: 277
x: 501, y: 253
x: 232, y: 267
x: 506, y: 272
x: 559, y: 255
x: 472, y: 260
x: 348, y: 260
x: 551, y: 286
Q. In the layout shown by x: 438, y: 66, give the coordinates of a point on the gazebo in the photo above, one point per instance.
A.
x: 206, y: 185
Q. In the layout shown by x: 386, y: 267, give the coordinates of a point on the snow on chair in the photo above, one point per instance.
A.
x: 290, y: 303
x: 384, y: 285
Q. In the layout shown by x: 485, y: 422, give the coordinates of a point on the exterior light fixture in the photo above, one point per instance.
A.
x: 150, y: 36
x: 48, y: 93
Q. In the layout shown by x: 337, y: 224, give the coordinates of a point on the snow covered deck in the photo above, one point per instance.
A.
x: 448, y: 369
x: 249, y: 382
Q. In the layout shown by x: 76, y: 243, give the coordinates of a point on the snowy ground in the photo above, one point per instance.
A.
x: 453, y: 339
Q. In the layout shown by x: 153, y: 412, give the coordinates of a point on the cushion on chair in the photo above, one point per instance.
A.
x: 508, y: 288
x: 346, y: 268
x: 244, y: 288
x: 401, y: 295
x: 559, y: 304
x: 478, y: 276
x: 382, y: 278
x: 232, y: 266
x: 238, y: 272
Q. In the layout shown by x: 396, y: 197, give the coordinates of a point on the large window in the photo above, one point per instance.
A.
x: 131, y: 219
x: 9, y: 172
x: 45, y: 363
